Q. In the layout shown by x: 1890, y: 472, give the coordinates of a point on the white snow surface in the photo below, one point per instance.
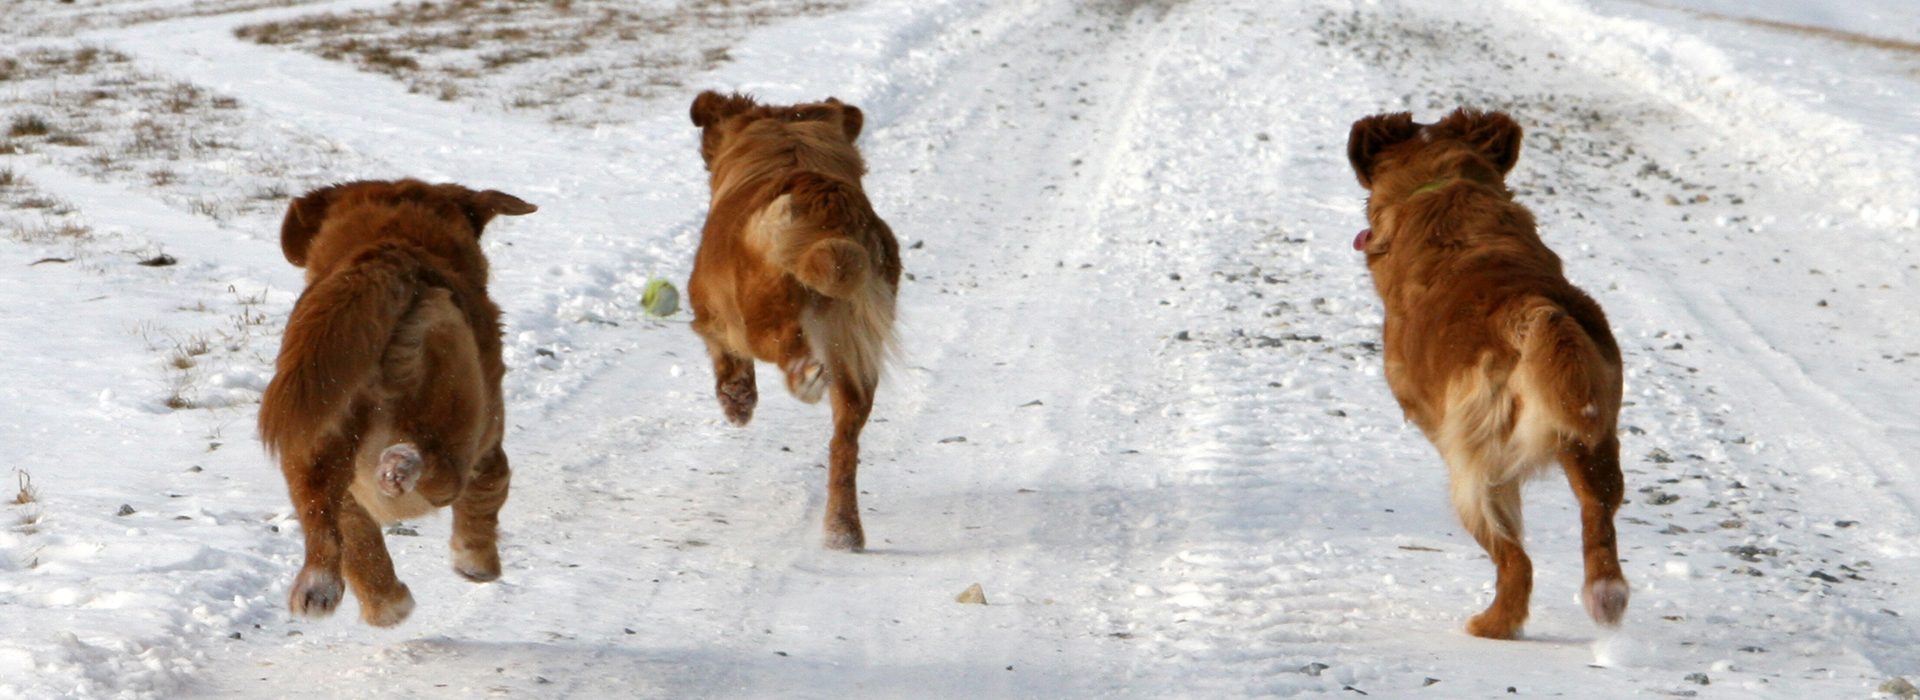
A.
x: 1132, y: 294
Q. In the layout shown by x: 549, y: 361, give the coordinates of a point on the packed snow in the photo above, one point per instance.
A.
x: 1140, y: 403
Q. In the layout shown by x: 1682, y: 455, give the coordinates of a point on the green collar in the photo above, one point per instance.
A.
x: 1431, y: 186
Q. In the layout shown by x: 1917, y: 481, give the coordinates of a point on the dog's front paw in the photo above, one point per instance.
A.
x: 806, y: 379
x: 315, y: 593
x: 399, y: 470
x: 737, y: 397
x: 389, y: 612
x: 477, y: 565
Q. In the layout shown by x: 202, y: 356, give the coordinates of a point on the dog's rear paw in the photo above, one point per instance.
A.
x: 399, y: 470
x: 315, y: 593
x: 1606, y: 601
x: 737, y: 398
x: 388, y: 613
x: 806, y: 379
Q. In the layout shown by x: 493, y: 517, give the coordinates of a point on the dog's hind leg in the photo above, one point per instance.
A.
x: 1491, y: 513
x: 852, y: 403
x: 476, y: 519
x: 384, y: 600
x: 318, y: 486
x: 1594, y: 473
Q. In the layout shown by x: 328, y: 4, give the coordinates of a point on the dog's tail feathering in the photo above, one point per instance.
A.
x: 1579, y: 384
x: 334, y: 342
x: 818, y: 230
x: 815, y: 232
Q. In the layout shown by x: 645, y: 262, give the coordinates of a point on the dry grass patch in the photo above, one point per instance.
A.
x: 566, y: 56
x: 91, y: 110
x: 27, y: 493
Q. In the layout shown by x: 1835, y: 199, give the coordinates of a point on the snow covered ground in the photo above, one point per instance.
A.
x: 1141, y: 401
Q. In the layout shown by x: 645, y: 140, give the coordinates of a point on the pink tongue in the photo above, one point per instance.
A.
x: 1360, y: 241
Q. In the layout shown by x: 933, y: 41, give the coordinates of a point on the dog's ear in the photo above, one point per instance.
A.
x: 1494, y: 134
x: 481, y: 207
x: 711, y: 107
x: 1372, y: 134
x: 302, y: 223
x: 851, y: 118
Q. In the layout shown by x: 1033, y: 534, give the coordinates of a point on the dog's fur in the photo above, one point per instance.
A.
x: 1501, y: 362
x: 796, y: 269
x: 386, y: 400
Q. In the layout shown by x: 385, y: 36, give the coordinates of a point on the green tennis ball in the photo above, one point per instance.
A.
x: 660, y: 299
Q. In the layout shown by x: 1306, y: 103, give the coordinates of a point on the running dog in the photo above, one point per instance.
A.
x: 796, y: 269
x: 1503, y: 364
x: 385, y: 403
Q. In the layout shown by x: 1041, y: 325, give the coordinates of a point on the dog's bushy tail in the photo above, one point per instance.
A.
x: 821, y: 230
x: 816, y: 231
x: 332, y: 349
x: 1574, y: 374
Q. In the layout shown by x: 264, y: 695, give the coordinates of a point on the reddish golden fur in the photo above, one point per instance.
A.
x: 1501, y: 362
x: 385, y: 403
x: 796, y: 269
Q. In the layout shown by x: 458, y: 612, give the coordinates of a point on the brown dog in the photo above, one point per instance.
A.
x: 386, y: 399
x: 1501, y: 362
x: 796, y: 269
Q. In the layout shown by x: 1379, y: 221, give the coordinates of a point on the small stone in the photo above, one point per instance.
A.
x: 402, y: 530
x: 1314, y: 669
x: 1843, y: 524
x: 1824, y: 576
x: 1899, y: 687
x: 1428, y: 682
x: 161, y: 260
x: 1659, y: 456
x: 126, y: 510
x: 235, y: 635
x: 974, y: 595
x: 1699, y: 678
x: 952, y: 440
x: 1182, y: 335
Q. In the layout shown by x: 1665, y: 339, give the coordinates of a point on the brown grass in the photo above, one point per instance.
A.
x: 27, y: 493
x: 453, y: 49
x: 28, y: 125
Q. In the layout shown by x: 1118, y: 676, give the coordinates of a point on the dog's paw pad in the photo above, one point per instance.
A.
x: 737, y: 398
x: 399, y: 470
x: 1606, y: 601
x: 315, y: 593
x: 807, y: 379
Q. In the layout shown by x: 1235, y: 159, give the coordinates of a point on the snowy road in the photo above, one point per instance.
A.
x: 1140, y: 403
